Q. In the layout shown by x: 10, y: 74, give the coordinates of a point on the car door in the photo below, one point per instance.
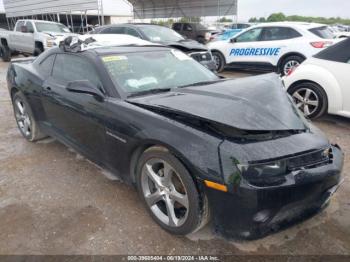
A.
x: 28, y: 38
x: 242, y: 47
x: 15, y: 36
x: 76, y: 118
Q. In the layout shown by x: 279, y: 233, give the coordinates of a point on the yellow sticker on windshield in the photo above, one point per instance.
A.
x: 114, y: 58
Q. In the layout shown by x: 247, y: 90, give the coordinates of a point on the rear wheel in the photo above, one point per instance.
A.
x: 168, y: 192
x: 219, y: 61
x: 310, y: 99
x: 25, y: 120
x: 289, y: 64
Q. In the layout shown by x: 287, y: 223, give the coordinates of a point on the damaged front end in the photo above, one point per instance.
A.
x: 276, y: 166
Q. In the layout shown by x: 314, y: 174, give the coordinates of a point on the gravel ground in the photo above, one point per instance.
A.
x: 53, y: 201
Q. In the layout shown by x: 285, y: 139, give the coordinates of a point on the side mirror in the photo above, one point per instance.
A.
x: 24, y: 29
x: 233, y: 40
x: 85, y: 87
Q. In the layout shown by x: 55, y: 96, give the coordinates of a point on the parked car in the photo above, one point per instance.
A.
x: 196, y: 146
x: 321, y: 84
x: 195, y: 31
x: 226, y: 34
x: 31, y: 37
x: 338, y: 33
x: 164, y: 36
x: 272, y: 46
x: 240, y: 26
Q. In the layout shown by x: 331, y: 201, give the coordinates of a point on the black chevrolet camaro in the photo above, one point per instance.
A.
x: 197, y: 147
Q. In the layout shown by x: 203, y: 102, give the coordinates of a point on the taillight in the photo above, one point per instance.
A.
x: 321, y: 44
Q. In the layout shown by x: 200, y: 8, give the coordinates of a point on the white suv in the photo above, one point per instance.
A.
x: 272, y: 46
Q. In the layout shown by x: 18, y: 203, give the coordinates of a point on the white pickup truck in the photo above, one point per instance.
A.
x: 31, y: 37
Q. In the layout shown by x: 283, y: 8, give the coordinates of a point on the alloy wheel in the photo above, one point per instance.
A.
x: 306, y: 100
x: 164, y: 192
x: 217, y: 61
x: 22, y: 117
x: 289, y: 66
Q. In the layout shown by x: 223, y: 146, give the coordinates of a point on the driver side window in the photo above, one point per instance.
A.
x: 252, y: 35
x: 69, y: 68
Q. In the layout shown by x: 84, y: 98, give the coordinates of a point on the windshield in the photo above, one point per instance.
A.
x: 51, y: 27
x: 161, y: 34
x: 323, y: 32
x: 156, y: 70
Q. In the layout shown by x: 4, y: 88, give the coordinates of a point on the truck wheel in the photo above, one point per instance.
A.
x: 38, y: 51
x: 5, y: 53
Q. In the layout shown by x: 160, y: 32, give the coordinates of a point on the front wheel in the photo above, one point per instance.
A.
x: 219, y: 60
x: 289, y: 64
x: 168, y: 192
x: 310, y: 99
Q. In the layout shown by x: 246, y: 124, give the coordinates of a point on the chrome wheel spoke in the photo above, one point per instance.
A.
x: 312, y: 103
x: 306, y: 110
x: 154, y: 177
x: 298, y: 96
x: 173, y: 220
x: 153, y: 198
x: 167, y: 171
x: 307, y: 94
x: 20, y: 107
x: 179, y: 198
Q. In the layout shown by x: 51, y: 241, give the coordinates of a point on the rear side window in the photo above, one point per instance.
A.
x: 177, y: 27
x: 46, y: 65
x: 30, y: 27
x: 323, y: 32
x: 69, y: 68
x: 278, y: 33
x: 114, y: 30
x: 336, y: 53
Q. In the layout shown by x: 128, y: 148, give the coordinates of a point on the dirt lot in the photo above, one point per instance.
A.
x: 53, y: 201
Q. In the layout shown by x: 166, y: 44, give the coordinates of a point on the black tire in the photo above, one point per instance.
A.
x: 294, y: 58
x: 35, y: 132
x: 201, y: 40
x: 220, y: 61
x: 38, y: 50
x: 318, y: 91
x: 5, y: 53
x: 195, y: 214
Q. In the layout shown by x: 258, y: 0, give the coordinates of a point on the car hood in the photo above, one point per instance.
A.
x: 257, y: 103
x: 186, y: 45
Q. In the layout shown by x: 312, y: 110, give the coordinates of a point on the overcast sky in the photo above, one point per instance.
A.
x: 326, y: 8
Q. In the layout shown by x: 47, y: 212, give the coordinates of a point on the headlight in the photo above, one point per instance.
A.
x: 50, y: 42
x: 266, y: 174
x: 207, y: 36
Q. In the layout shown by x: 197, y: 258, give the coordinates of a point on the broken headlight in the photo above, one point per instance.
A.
x: 266, y: 174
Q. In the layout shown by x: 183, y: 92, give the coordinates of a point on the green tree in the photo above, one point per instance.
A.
x: 253, y: 20
x: 225, y: 20
x: 276, y: 17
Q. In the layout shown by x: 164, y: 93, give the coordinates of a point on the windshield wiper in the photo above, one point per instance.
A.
x: 149, y: 92
x: 202, y: 83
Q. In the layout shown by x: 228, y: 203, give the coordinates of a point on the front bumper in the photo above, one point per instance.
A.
x: 250, y: 212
